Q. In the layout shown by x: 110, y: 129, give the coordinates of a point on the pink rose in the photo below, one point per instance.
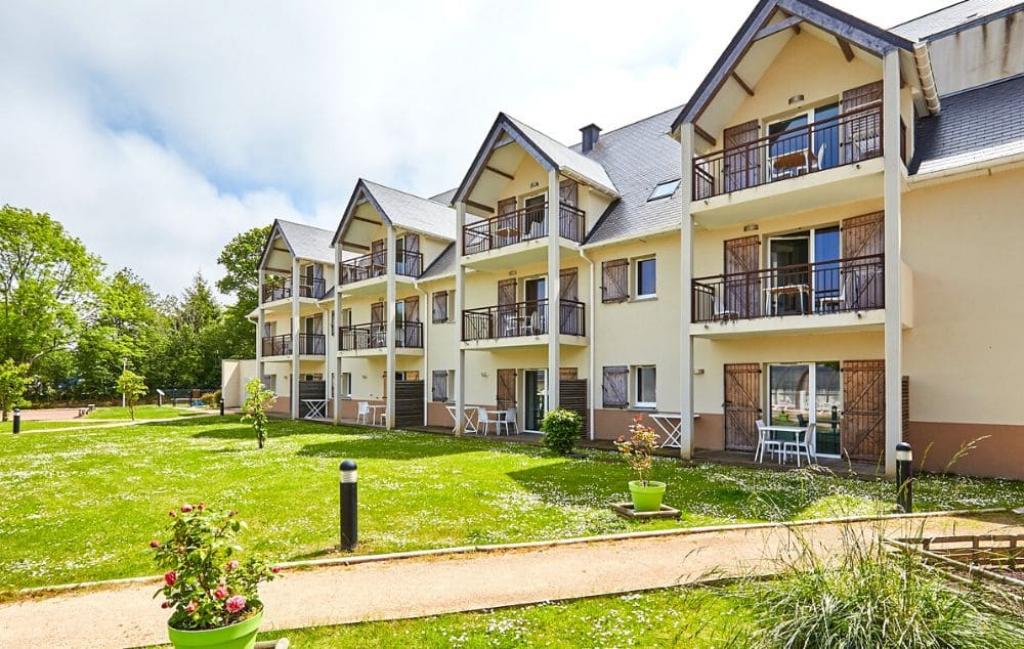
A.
x: 165, y: 605
x: 232, y: 565
x: 154, y: 544
x: 221, y: 592
x: 275, y: 569
x: 170, y: 577
x: 186, y: 508
x: 191, y: 608
x: 235, y: 604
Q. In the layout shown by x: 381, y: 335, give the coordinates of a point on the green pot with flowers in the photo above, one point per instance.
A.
x: 646, y: 494
x: 213, y: 594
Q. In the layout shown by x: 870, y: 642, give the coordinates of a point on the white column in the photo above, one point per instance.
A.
x: 260, y: 321
x: 295, y: 339
x: 335, y: 349
x: 426, y: 319
x: 686, y: 420
x: 389, y: 313
x: 554, y: 288
x: 893, y: 256
x: 460, y: 304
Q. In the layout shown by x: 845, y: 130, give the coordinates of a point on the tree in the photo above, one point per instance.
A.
x: 46, y: 278
x: 133, y: 387
x: 258, y: 399
x: 240, y: 259
x: 13, y: 382
x: 191, y: 353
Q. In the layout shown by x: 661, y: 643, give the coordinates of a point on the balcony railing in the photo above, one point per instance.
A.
x: 836, y: 286
x: 851, y: 137
x: 522, y: 225
x: 520, y: 319
x: 314, y: 288
x: 281, y: 345
x: 374, y: 336
x: 375, y: 264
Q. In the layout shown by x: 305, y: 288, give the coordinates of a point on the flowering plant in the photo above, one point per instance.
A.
x: 205, y: 585
x: 639, y: 448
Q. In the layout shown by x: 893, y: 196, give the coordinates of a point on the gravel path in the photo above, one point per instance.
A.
x: 127, y: 616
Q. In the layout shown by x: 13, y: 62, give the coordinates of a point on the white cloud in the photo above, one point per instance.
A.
x: 156, y: 131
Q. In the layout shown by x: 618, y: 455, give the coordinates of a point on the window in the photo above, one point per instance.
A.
x: 646, y: 278
x: 440, y: 307
x: 615, y: 280
x: 615, y: 386
x: 664, y: 190
x: 441, y: 384
x: 646, y: 379
x: 346, y: 384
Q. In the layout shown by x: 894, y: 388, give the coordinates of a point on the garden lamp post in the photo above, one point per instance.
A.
x: 904, y: 477
x: 16, y: 426
x: 349, y: 506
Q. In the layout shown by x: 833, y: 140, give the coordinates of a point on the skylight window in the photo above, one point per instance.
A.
x: 664, y: 190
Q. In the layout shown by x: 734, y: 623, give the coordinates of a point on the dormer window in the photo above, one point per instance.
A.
x: 664, y: 190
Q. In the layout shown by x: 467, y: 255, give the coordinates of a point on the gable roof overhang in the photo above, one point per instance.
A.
x: 506, y: 131
x: 276, y: 233
x: 360, y: 194
x: 767, y: 30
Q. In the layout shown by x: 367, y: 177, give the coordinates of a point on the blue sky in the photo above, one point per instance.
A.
x: 155, y: 131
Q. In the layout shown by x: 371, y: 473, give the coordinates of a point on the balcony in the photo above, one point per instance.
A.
x: 523, y: 225
x: 375, y: 264
x: 819, y: 295
x: 281, y: 345
x: 372, y: 337
x: 314, y: 288
x: 514, y: 324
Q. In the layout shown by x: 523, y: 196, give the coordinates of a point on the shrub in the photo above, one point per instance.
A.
x: 205, y: 585
x: 561, y: 430
x: 133, y: 387
x: 639, y: 448
x: 211, y: 399
x: 257, y: 400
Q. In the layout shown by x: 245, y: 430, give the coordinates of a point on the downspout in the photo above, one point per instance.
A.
x: 590, y: 348
x: 923, y: 61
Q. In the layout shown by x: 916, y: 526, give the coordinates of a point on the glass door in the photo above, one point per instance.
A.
x: 535, y: 389
x: 828, y: 408
x: 534, y: 311
x: 789, y: 284
x: 790, y: 387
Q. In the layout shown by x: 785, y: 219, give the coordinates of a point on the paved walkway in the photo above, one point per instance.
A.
x: 126, y: 615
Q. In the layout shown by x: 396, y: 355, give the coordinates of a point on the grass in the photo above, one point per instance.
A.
x: 83, y: 505
x: 141, y: 412
x: 8, y: 426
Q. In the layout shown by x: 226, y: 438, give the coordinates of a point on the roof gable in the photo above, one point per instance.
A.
x: 304, y: 242
x: 401, y: 209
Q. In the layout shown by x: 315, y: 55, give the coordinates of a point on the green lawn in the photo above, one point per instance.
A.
x: 8, y: 426
x: 141, y: 412
x: 83, y: 505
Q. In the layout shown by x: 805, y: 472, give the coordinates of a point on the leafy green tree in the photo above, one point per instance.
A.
x: 240, y: 259
x: 46, y: 279
x: 13, y: 382
x: 191, y: 353
x: 257, y: 400
x: 133, y: 387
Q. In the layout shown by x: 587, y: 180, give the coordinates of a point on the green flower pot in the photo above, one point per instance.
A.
x: 646, y: 498
x: 236, y: 636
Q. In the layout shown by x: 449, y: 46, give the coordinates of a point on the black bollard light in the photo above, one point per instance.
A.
x: 904, y: 477
x: 222, y: 406
x: 349, y: 506
x: 17, y: 420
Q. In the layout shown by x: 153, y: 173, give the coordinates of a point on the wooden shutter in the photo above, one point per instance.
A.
x: 377, y: 313
x: 412, y: 309
x: 568, y: 192
x: 377, y: 249
x: 615, y: 386
x: 863, y: 235
x: 861, y: 132
x: 742, y: 406
x: 506, y: 394
x: 439, y: 385
x: 742, y: 164
x: 569, y: 284
x: 506, y: 206
x: 741, y: 288
x: 568, y: 373
x: 863, y: 281
x: 440, y: 307
x: 506, y: 292
x: 862, y: 430
x: 615, y: 280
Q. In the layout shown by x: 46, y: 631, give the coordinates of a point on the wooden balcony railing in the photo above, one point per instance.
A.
x: 521, y: 319
x: 408, y: 335
x: 281, y: 345
x: 375, y: 264
x: 836, y: 286
x: 522, y: 225
x: 851, y: 137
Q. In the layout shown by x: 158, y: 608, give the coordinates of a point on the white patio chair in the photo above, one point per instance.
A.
x: 836, y: 302
x: 363, y: 413
x: 511, y: 420
x: 804, y: 446
x: 484, y: 421
x: 722, y: 312
x: 765, y: 442
x: 531, y: 326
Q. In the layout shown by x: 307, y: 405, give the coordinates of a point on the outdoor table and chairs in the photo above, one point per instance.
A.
x: 783, y: 441
x: 467, y: 414
x: 378, y: 413
x: 772, y: 294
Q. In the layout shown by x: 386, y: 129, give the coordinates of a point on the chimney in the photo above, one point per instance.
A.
x: 590, y: 134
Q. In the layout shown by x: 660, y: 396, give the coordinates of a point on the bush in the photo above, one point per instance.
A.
x: 211, y: 399
x: 561, y: 430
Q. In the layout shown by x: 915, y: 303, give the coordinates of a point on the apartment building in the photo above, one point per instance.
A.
x: 826, y: 233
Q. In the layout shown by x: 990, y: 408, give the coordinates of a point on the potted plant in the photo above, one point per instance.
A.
x: 213, y: 594
x: 639, y: 451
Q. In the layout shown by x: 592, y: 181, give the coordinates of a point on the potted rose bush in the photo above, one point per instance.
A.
x: 647, y: 494
x: 212, y: 593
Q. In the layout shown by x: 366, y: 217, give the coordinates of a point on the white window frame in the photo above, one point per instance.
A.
x: 676, y: 181
x: 346, y: 390
x: 635, y: 279
x: 637, y: 373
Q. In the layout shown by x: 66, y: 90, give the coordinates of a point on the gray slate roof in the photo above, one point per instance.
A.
x: 975, y: 125
x: 307, y: 241
x: 413, y: 212
x: 951, y: 17
x: 566, y: 158
x: 638, y: 157
x: 443, y: 265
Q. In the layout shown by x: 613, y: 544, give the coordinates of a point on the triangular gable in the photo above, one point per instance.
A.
x: 843, y: 25
x: 360, y: 190
x: 275, y: 231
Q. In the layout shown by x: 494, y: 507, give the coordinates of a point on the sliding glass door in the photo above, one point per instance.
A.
x: 790, y: 390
